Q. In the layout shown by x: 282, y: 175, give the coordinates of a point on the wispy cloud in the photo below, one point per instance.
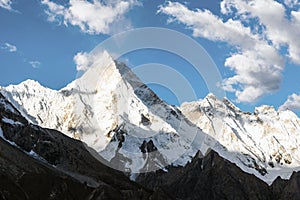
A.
x: 292, y: 103
x: 9, y: 47
x: 35, y: 64
x: 93, y: 17
x: 12, y: 48
x: 6, y: 4
x: 256, y: 35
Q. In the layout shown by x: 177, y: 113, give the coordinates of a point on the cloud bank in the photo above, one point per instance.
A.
x: 258, y: 31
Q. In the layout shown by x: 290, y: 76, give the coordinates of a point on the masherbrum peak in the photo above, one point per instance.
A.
x: 112, y: 111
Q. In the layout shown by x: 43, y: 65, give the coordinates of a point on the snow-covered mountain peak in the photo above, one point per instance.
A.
x: 220, y: 105
x: 211, y: 96
x: 103, y: 73
x: 266, y: 140
x: 267, y: 113
x: 211, y: 106
x: 265, y: 110
x: 111, y: 110
x: 287, y: 115
x: 28, y: 85
x: 30, y: 82
x: 94, y: 73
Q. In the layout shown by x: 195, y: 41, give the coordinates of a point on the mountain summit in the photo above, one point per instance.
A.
x: 112, y: 111
x: 266, y: 140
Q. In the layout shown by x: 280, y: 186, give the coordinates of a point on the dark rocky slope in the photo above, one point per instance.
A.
x: 212, y: 177
x: 63, y: 169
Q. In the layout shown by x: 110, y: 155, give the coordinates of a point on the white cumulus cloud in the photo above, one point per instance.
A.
x: 93, y: 17
x: 258, y: 30
x: 9, y: 47
x: 83, y: 61
x: 278, y: 28
x: 292, y: 103
x: 291, y: 3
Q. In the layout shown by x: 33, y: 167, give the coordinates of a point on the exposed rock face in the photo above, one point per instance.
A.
x: 212, y: 177
x: 23, y: 177
x: 290, y: 189
x: 37, y: 163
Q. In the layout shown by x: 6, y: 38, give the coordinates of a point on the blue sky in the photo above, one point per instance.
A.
x: 254, y: 44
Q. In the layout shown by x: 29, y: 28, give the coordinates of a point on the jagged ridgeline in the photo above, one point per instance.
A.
x: 127, y: 127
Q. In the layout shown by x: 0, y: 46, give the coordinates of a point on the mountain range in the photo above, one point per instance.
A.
x: 106, y: 135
